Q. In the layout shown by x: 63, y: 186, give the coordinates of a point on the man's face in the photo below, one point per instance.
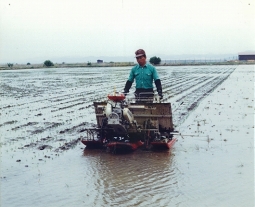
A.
x: 141, y: 60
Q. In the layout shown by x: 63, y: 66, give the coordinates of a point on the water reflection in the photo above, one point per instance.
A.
x: 141, y: 178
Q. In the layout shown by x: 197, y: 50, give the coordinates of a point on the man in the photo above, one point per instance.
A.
x: 144, y: 74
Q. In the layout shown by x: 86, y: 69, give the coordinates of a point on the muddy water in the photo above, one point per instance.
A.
x: 44, y: 112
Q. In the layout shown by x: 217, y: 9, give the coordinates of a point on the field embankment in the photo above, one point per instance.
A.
x: 119, y: 64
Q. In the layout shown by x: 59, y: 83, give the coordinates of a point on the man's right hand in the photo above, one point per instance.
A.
x: 125, y: 93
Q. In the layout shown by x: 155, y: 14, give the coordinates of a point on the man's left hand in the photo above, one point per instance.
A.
x: 160, y: 95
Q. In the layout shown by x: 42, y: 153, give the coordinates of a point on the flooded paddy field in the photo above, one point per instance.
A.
x: 44, y: 113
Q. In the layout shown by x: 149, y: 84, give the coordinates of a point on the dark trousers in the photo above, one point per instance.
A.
x: 142, y: 94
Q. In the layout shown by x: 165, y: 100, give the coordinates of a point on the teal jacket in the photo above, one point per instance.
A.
x: 143, y: 76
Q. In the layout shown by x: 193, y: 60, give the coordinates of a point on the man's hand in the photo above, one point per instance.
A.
x: 160, y: 95
x: 125, y: 92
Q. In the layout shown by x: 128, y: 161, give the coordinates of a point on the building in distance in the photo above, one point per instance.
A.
x: 246, y: 56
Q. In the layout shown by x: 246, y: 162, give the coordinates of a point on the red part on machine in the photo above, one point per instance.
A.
x: 116, y: 97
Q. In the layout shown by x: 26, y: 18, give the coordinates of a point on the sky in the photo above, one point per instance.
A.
x: 72, y: 30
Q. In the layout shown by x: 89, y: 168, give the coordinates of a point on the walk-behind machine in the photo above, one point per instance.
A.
x: 125, y: 124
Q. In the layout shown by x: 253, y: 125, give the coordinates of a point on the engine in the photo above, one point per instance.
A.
x: 118, y: 118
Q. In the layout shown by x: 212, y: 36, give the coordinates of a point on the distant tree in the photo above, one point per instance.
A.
x: 89, y: 63
x: 28, y: 64
x: 48, y: 63
x: 10, y: 65
x: 155, y: 60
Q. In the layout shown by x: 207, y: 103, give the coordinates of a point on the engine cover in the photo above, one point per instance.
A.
x: 114, y: 123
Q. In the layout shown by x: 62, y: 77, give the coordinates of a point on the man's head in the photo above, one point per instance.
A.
x: 140, y: 56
